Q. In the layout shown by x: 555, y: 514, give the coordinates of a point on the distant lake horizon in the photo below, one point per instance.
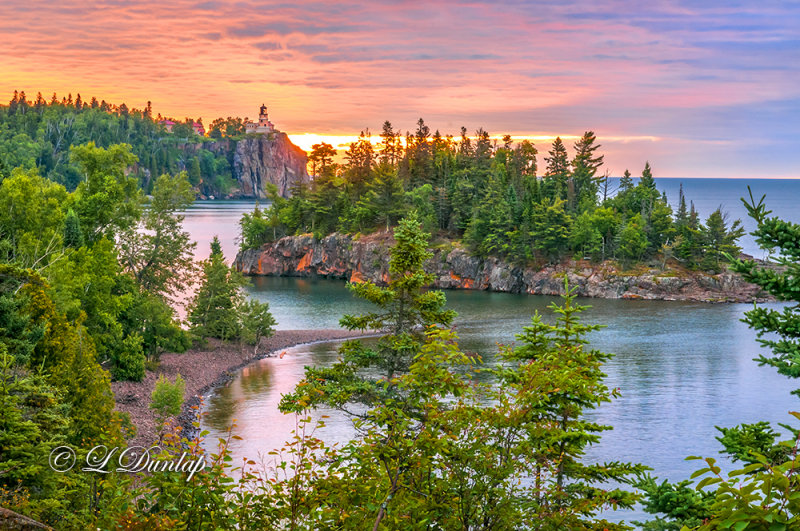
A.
x: 205, y: 219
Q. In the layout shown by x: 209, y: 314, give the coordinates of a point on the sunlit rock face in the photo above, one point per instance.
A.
x: 366, y: 259
x: 260, y: 159
x: 265, y: 159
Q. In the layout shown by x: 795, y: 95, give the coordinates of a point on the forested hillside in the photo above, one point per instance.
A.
x: 498, y: 198
x: 39, y: 133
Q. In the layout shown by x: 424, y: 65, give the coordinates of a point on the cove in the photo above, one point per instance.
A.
x: 682, y: 368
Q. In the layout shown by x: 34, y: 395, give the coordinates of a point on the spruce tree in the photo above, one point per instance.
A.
x: 404, y: 311
x: 647, y: 178
x: 212, y: 312
x: 557, y: 172
x: 625, y: 182
x: 73, y: 237
x: 584, y: 169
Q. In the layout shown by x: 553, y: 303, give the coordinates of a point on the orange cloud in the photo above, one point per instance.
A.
x: 679, y: 73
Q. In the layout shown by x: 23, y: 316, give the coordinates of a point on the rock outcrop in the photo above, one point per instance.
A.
x: 366, y: 258
x: 259, y: 159
x: 12, y: 521
x: 268, y: 158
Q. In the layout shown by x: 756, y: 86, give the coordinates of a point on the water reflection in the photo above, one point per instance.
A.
x: 682, y: 368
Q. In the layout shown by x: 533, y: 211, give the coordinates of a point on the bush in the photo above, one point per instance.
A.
x: 128, y: 359
x: 257, y: 322
x: 167, y: 397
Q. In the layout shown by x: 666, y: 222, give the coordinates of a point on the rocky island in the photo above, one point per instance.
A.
x: 357, y: 259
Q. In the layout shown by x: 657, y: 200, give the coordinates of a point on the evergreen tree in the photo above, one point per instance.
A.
x: 320, y: 158
x: 682, y: 217
x: 647, y: 178
x: 73, y: 237
x: 548, y: 383
x: 384, y: 197
x: 405, y: 310
x: 551, y: 227
x: 391, y: 149
x: 212, y: 311
x: 584, y: 169
x: 557, y: 172
x: 720, y: 240
x: 633, y: 239
x: 194, y: 172
x: 625, y: 182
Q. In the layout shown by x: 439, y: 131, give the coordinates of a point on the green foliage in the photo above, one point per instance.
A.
x: 157, y: 251
x: 257, y: 322
x: 128, y: 359
x: 720, y: 239
x: 745, y: 441
x: 764, y: 493
x: 40, y: 135
x: 73, y: 236
x: 680, y: 503
x: 438, y: 448
x: 59, y: 350
x: 405, y: 310
x: 633, y: 239
x: 219, y: 308
x: 587, y: 237
x: 257, y: 228
x: 781, y: 237
x: 548, y: 381
x: 31, y: 217
x: 491, y: 197
x: 167, y: 397
x: 106, y: 201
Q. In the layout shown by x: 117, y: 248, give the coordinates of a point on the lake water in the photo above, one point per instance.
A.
x: 682, y: 367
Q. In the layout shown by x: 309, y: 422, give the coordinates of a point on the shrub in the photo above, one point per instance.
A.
x: 167, y: 397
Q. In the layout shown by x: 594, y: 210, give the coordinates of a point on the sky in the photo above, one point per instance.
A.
x: 700, y: 89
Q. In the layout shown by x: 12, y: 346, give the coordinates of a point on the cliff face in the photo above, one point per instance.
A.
x: 341, y: 256
x: 260, y: 159
x: 268, y: 158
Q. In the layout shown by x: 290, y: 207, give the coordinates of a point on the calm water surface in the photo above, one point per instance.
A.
x: 682, y: 367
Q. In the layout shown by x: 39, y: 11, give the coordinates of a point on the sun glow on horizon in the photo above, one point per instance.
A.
x: 306, y: 141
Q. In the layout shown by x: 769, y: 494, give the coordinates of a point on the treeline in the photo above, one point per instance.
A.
x: 89, y: 285
x: 39, y: 134
x: 494, y: 197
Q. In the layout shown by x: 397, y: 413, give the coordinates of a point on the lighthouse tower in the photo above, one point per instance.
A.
x: 263, y: 119
x: 263, y: 125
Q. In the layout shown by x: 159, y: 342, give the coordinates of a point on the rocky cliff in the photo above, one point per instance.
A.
x: 268, y: 158
x: 259, y: 159
x: 366, y: 258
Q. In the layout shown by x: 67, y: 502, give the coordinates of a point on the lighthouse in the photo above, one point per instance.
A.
x: 263, y: 125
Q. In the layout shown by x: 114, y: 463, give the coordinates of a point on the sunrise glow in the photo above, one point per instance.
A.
x: 702, y: 90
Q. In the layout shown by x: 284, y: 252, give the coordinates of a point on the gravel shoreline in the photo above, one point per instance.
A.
x: 203, y: 369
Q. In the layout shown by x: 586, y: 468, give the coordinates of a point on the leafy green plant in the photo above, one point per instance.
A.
x: 167, y: 397
x: 765, y: 493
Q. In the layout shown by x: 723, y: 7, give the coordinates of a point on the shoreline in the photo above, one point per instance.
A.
x: 365, y: 258
x: 203, y: 369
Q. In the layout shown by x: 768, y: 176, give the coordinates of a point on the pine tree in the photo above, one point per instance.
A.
x: 404, y: 310
x: 625, y: 182
x: 385, y: 196
x: 720, y: 240
x: 647, y: 178
x: 73, y: 237
x: 548, y: 383
x: 390, y: 146
x: 584, y: 169
x: 682, y: 217
x: 557, y: 172
x: 212, y: 311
